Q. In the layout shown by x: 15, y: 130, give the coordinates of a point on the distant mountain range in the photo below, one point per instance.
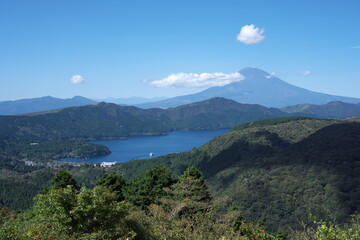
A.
x: 258, y: 87
x: 130, y: 100
x: 49, y: 103
x: 107, y: 120
x: 40, y: 104
x: 334, y: 109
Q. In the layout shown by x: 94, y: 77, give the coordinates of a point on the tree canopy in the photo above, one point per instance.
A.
x: 63, y: 179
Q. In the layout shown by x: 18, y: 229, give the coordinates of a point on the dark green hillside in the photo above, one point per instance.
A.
x: 218, y: 113
x: 20, y: 183
x: 320, y: 173
x: 291, y: 129
x: 106, y: 121
x: 278, y: 170
x: 99, y: 121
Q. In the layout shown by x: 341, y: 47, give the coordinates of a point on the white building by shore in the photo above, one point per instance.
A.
x: 107, y: 164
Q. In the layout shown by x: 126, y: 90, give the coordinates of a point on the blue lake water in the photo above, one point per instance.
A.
x: 140, y: 147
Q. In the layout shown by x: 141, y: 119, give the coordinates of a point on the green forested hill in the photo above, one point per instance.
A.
x: 267, y: 135
x: 105, y: 120
x: 277, y: 171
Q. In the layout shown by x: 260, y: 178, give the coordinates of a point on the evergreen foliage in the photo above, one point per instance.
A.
x: 188, y: 195
x: 115, y: 182
x: 192, y: 185
x: 63, y: 179
x: 147, y: 189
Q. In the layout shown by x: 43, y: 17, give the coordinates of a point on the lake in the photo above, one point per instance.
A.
x: 140, y: 147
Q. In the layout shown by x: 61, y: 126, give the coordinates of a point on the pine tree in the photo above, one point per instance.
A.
x: 146, y: 190
x: 189, y: 195
x: 63, y: 179
x: 115, y: 182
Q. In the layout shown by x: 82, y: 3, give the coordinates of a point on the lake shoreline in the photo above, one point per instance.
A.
x: 149, y: 146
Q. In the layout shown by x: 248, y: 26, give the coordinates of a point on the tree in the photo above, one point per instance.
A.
x: 63, y: 179
x: 115, y: 183
x: 148, y: 189
x: 192, y: 185
x: 189, y: 195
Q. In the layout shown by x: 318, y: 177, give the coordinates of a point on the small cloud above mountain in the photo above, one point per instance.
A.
x: 271, y: 75
x: 250, y: 34
x: 77, y: 79
x: 305, y: 72
x: 193, y: 80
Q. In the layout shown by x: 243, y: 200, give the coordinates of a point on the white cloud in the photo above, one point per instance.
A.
x: 305, y: 73
x: 77, y: 79
x: 249, y: 34
x: 271, y: 75
x: 355, y: 47
x: 193, y: 80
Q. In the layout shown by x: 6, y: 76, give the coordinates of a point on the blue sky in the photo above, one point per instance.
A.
x: 118, y: 48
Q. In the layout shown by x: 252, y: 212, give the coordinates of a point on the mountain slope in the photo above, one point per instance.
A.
x: 40, y: 104
x: 258, y: 87
x: 218, y: 113
x: 278, y: 170
x: 106, y: 120
x: 335, y: 109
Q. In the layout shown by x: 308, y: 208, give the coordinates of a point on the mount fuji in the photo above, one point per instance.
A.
x: 257, y: 87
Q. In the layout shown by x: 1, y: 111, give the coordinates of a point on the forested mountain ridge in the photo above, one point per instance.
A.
x: 111, y: 121
x: 278, y: 170
x: 107, y: 121
x: 334, y: 109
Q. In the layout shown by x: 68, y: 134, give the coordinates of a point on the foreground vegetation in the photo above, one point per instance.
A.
x: 153, y: 206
